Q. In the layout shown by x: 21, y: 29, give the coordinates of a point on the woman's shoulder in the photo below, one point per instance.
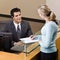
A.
x: 51, y: 24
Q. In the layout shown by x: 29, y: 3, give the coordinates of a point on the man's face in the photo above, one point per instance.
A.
x: 17, y: 17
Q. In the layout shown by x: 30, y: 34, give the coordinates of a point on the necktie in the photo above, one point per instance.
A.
x: 18, y: 32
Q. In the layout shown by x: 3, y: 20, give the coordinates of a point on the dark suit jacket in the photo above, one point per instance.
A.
x: 25, y: 30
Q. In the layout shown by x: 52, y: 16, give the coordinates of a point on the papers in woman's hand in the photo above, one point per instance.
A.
x: 29, y: 40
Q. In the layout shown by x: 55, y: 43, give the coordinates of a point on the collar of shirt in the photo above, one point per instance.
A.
x: 17, y: 25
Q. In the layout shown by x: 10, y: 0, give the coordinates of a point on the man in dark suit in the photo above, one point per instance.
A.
x: 24, y: 27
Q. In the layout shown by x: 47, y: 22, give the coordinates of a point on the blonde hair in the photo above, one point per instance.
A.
x: 47, y: 12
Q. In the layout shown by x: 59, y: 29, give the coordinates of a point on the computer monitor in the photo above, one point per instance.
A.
x: 5, y: 37
x: 5, y: 34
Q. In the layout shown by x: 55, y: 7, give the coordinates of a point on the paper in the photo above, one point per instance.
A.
x: 18, y: 48
x: 29, y: 40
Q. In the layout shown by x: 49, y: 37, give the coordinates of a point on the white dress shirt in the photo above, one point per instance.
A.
x: 15, y: 24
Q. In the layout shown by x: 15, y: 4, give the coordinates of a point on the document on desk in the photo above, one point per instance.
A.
x: 29, y: 40
x: 19, y: 47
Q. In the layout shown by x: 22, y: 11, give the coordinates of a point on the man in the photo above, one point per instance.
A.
x: 12, y: 26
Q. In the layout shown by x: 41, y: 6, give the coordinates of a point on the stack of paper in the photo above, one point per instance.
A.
x: 28, y: 40
x: 17, y: 48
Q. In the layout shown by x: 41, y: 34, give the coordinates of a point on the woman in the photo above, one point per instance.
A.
x: 48, y: 48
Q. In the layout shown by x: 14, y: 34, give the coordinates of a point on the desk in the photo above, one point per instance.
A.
x: 10, y: 56
x: 58, y: 45
x: 22, y: 56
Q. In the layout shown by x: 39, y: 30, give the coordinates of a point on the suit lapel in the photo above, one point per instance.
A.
x: 22, y: 27
x: 13, y: 27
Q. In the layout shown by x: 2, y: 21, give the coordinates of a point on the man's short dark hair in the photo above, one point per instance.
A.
x: 14, y: 10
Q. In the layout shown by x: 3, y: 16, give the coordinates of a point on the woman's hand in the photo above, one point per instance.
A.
x: 32, y: 37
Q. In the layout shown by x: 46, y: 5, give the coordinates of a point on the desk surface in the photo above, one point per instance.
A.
x: 10, y: 56
x: 22, y: 56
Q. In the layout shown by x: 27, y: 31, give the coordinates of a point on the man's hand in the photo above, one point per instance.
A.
x: 18, y: 43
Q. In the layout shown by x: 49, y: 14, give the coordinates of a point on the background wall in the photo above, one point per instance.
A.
x: 55, y: 6
x: 28, y: 7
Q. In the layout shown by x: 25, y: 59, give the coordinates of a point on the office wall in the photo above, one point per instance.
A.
x: 55, y: 6
x: 28, y: 7
x: 35, y: 26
